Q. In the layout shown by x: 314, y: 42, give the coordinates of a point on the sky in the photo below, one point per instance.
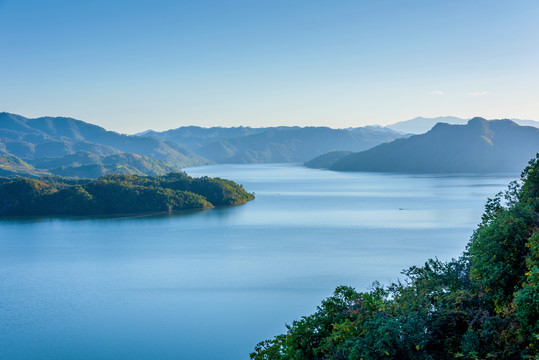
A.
x: 135, y: 65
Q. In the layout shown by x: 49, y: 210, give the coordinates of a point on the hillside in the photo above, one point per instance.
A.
x: 480, y: 146
x: 484, y: 305
x: 116, y: 194
x: 13, y: 166
x: 326, y: 160
x: 57, y: 138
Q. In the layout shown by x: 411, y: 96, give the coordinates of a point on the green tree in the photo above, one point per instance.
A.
x: 484, y: 305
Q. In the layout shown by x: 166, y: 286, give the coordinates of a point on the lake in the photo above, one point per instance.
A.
x: 210, y: 284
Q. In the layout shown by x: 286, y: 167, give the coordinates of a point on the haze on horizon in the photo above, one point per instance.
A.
x: 133, y: 65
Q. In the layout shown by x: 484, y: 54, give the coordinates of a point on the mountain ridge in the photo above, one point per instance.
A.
x: 480, y: 146
x: 275, y: 144
x: 57, y: 137
x: 421, y: 125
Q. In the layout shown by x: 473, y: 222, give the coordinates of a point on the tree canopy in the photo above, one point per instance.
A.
x: 116, y: 194
x: 484, y: 305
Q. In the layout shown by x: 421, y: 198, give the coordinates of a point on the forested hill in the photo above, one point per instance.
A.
x: 484, y: 305
x: 116, y: 194
x: 481, y: 146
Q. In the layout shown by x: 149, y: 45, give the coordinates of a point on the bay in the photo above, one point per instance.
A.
x: 210, y: 284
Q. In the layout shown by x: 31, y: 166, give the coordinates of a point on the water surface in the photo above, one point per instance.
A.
x: 210, y: 284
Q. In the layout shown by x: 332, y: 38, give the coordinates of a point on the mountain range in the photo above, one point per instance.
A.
x: 66, y: 146
x: 421, y: 125
x: 480, y: 146
x: 70, y: 147
x: 273, y: 144
x: 194, y: 137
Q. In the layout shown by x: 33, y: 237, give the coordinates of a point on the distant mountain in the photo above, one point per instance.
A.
x: 526, y: 122
x: 421, y: 125
x: 194, y: 137
x: 58, y: 138
x: 294, y: 144
x: 480, y: 146
x: 272, y: 144
x: 378, y: 129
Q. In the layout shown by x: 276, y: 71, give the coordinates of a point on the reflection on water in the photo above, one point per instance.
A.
x: 209, y: 284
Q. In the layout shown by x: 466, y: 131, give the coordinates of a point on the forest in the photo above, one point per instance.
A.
x: 116, y: 194
x: 483, y: 305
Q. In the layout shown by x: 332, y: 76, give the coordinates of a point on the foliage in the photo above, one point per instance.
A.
x: 484, y: 305
x: 117, y: 194
x: 12, y: 166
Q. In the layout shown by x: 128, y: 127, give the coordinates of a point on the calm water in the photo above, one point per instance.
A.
x: 211, y: 284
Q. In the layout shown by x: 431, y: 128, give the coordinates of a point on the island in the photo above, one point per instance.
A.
x: 116, y: 194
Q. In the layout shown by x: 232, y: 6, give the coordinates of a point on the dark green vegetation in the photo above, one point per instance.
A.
x: 481, y: 146
x: 275, y: 144
x: 484, y: 305
x: 69, y: 147
x: 116, y: 194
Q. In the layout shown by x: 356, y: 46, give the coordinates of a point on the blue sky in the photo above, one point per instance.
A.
x: 134, y: 65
